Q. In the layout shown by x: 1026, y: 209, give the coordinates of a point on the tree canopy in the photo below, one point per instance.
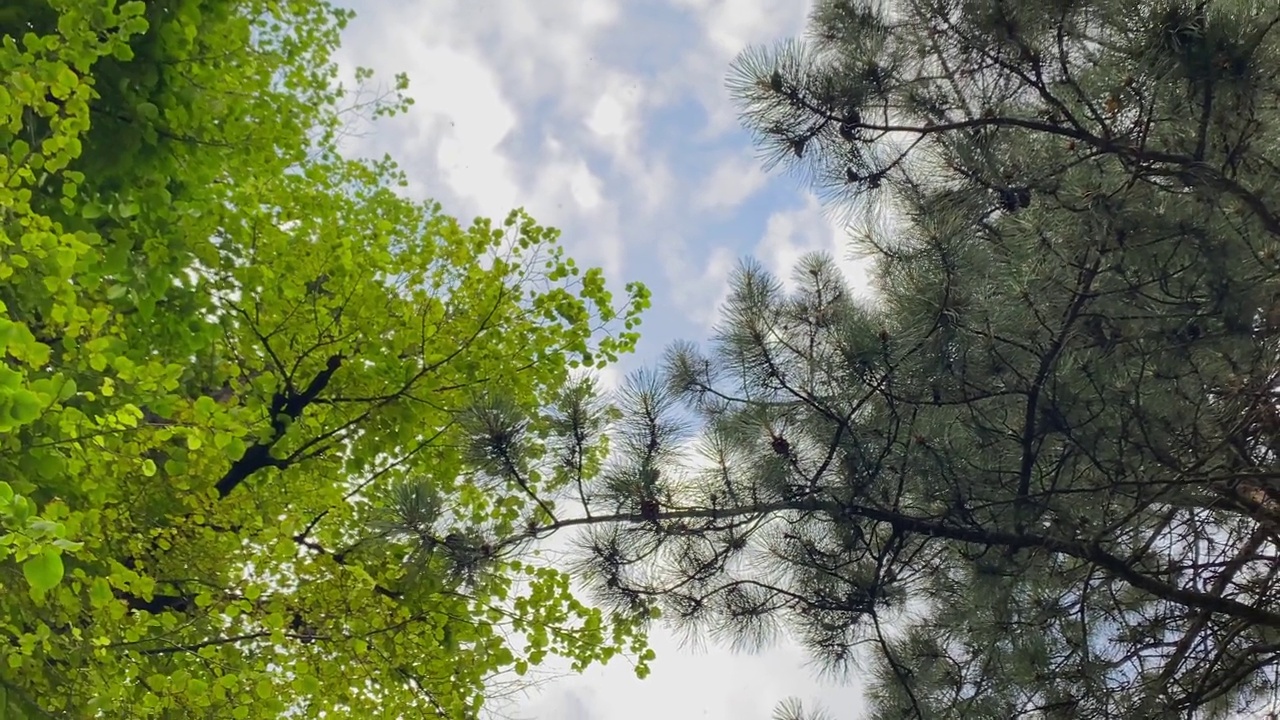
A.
x: 234, y: 357
x: 1036, y: 476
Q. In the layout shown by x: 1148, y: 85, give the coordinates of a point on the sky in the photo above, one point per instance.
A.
x: 609, y: 119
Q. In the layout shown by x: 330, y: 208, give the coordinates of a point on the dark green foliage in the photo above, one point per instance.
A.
x: 1037, y: 478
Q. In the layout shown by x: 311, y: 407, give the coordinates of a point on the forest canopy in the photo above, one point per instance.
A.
x: 240, y: 376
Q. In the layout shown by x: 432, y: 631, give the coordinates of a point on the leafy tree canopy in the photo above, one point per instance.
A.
x: 1035, y: 478
x: 232, y: 356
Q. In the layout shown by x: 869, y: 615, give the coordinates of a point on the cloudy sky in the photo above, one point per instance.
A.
x: 609, y: 120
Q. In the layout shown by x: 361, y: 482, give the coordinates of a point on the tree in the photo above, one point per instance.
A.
x: 233, y: 359
x: 1037, y: 476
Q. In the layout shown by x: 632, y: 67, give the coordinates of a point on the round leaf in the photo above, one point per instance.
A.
x: 43, y: 571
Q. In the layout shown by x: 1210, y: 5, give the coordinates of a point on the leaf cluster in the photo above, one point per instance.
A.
x: 232, y: 356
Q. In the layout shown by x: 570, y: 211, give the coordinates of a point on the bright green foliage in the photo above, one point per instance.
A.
x: 220, y: 339
x: 35, y: 542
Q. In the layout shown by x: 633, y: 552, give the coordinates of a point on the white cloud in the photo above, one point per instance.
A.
x: 460, y: 143
x: 563, y: 185
x: 714, y: 684
x: 563, y: 191
x: 697, y: 292
x: 460, y: 120
x: 733, y: 24
x: 791, y: 234
x: 539, y: 38
x: 608, y: 379
x: 652, y: 180
x: 728, y: 27
x: 611, y: 118
x: 584, y: 186
x: 469, y: 155
x: 733, y: 180
x: 483, y: 72
x: 614, y: 119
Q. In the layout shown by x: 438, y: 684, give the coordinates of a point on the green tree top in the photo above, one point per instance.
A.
x: 221, y: 340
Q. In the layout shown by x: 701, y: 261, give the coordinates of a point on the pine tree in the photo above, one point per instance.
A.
x: 1037, y: 477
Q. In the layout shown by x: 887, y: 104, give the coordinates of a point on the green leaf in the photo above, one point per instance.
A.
x: 235, y: 448
x: 205, y: 405
x: 100, y: 592
x: 43, y: 571
x: 24, y: 407
x: 308, y: 685
x: 66, y: 258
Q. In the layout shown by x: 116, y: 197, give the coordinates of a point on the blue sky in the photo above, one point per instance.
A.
x: 609, y: 120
